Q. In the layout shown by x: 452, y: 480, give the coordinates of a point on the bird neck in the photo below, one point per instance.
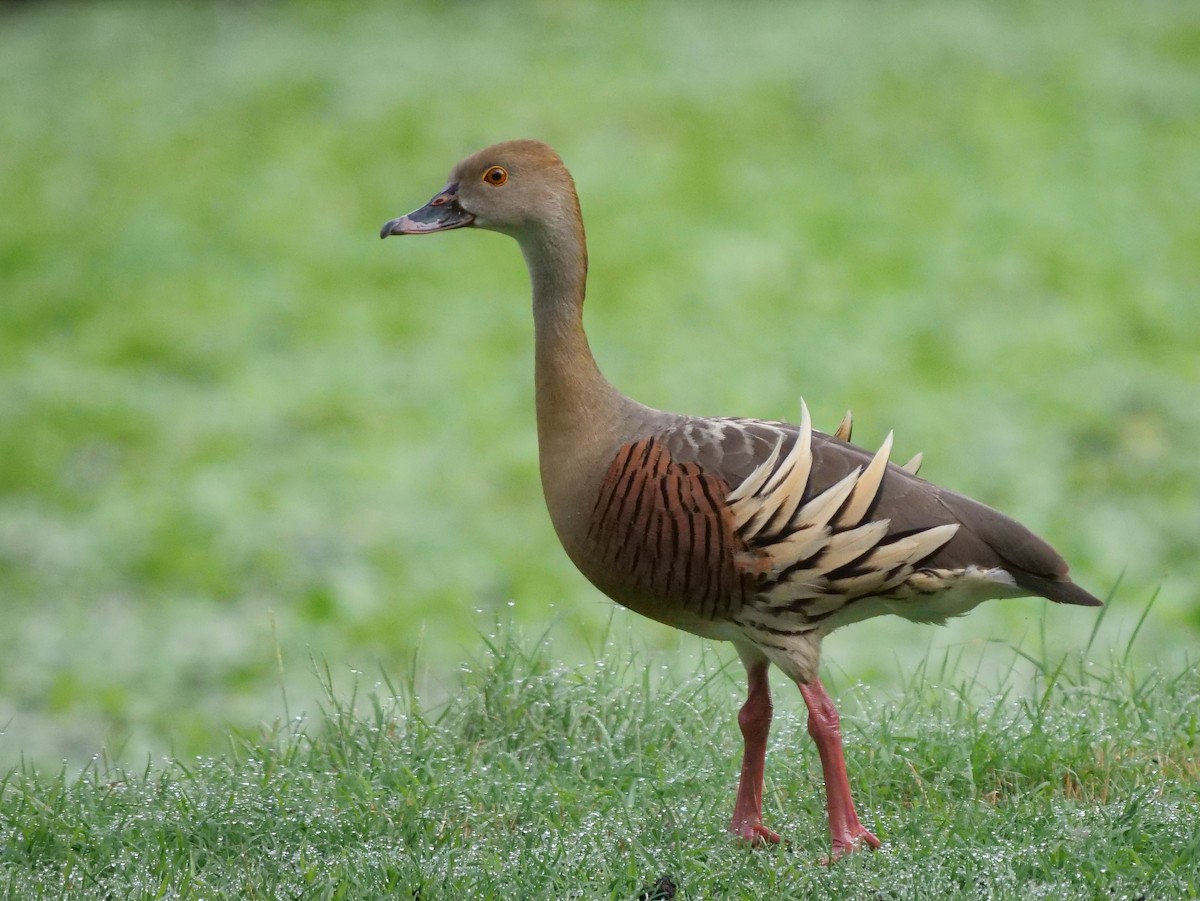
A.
x: 575, y: 403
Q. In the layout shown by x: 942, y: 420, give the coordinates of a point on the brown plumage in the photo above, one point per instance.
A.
x: 766, y: 534
x: 662, y: 531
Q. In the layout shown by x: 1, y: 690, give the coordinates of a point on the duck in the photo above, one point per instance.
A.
x: 766, y: 534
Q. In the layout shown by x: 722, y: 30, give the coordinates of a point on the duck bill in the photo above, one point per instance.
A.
x: 440, y: 214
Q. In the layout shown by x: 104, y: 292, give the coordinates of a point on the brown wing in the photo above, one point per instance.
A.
x: 923, y: 526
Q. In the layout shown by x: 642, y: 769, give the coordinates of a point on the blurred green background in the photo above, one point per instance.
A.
x: 239, y: 433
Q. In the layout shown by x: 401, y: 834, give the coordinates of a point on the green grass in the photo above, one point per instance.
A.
x: 233, y: 422
x: 547, y: 781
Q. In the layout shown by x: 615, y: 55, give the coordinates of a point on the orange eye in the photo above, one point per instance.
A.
x: 497, y: 175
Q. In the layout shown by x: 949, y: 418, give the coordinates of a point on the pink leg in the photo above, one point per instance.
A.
x: 825, y: 728
x: 755, y: 721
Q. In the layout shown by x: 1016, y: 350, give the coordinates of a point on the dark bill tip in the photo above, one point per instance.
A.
x: 397, y: 226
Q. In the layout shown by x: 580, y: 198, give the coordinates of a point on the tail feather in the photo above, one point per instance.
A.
x: 1062, y: 591
x: 1028, y: 558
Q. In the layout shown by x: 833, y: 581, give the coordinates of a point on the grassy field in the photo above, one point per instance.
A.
x: 238, y: 433
x: 608, y: 781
